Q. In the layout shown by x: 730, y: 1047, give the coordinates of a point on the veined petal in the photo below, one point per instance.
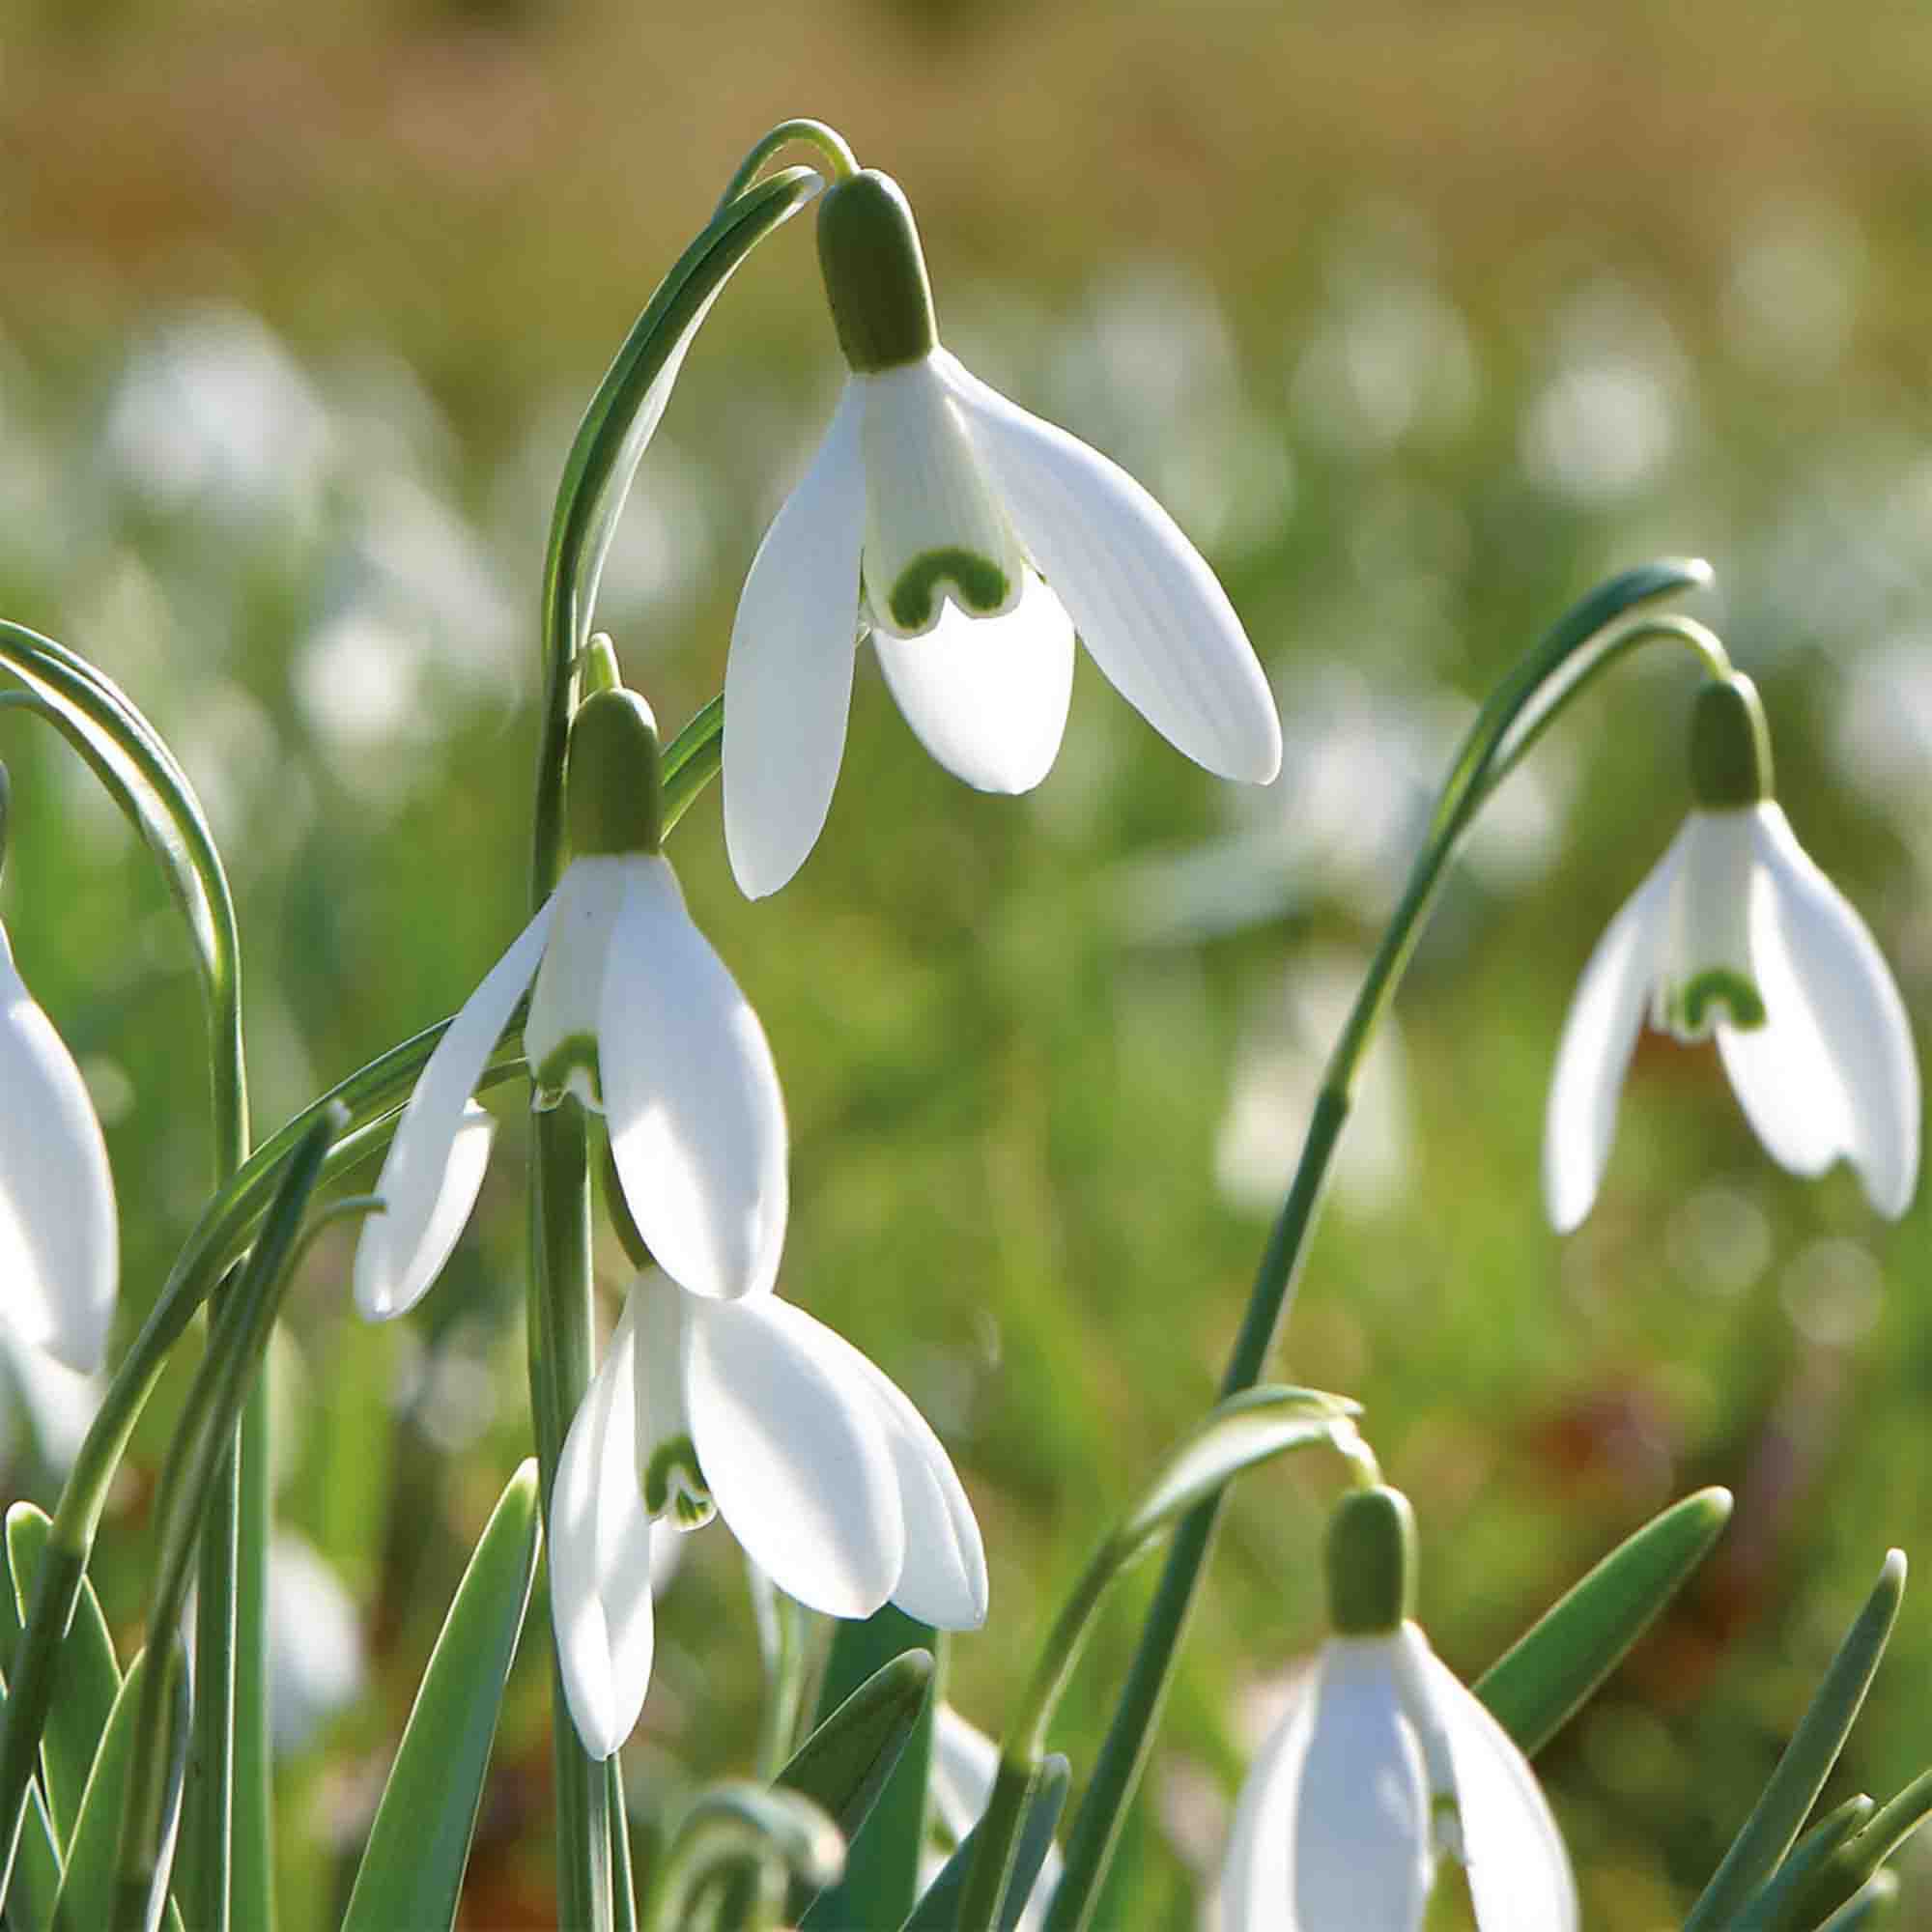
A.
x: 1605, y: 1019
x: 1845, y: 1000
x: 1520, y: 1878
x: 560, y: 1033
x: 795, y: 1452
x: 789, y: 680
x: 1257, y: 1871
x: 1706, y: 976
x: 600, y: 1556
x: 667, y: 1472
x: 1361, y: 1824
x: 943, y: 1582
x: 988, y: 696
x: 59, y: 1239
x: 1142, y: 599
x: 934, y: 529
x: 435, y: 1161
x: 691, y: 1097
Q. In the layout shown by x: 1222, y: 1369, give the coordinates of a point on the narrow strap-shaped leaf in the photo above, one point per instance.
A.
x: 87, y: 1891
x: 881, y: 1876
x: 1779, y: 1904
x: 779, y: 1837
x: 938, y: 1906
x: 1854, y: 1862
x: 87, y: 1678
x: 1538, y: 1683
x: 36, y: 1865
x: 843, y: 1766
x: 1801, y: 1773
x: 1869, y: 1910
x: 412, y: 1871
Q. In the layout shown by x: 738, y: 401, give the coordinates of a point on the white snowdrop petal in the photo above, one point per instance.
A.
x: 600, y: 1556
x: 1855, y: 1006
x: 59, y: 1239
x: 1519, y: 1877
x: 434, y: 1164
x: 1140, y: 596
x: 987, y: 695
x: 1361, y: 1826
x: 1606, y: 1016
x: 788, y: 679
x: 560, y: 1032
x: 944, y: 1579
x: 795, y: 1452
x: 691, y: 1097
x: 1257, y: 1870
x: 935, y: 533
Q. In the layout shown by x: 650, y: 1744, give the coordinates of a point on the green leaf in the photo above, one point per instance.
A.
x: 938, y: 1907
x: 782, y: 1836
x: 1779, y: 1904
x: 36, y: 1865
x: 1237, y: 1434
x: 844, y: 1764
x: 87, y: 1677
x: 1808, y: 1758
x: 1869, y: 1910
x: 412, y: 1872
x: 882, y: 1856
x: 1533, y: 1689
x: 87, y: 1890
x: 1857, y: 1860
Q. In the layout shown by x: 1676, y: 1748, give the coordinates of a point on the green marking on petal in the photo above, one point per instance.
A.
x: 673, y: 1480
x: 568, y: 1067
x: 1690, y: 1007
x: 980, y: 585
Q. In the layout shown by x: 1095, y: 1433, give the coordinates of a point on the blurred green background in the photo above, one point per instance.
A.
x: 1421, y: 318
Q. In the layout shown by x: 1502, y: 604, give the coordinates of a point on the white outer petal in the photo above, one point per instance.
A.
x: 789, y: 680
x: 1146, y: 604
x: 600, y: 1556
x: 943, y: 1582
x: 794, y: 1452
x: 434, y: 1164
x: 1837, y: 1072
x: 59, y: 1239
x: 691, y: 1097
x: 1520, y: 1876
x: 1363, y: 1856
x: 1257, y: 1871
x: 987, y: 695
x: 1606, y: 1016
x: 570, y: 976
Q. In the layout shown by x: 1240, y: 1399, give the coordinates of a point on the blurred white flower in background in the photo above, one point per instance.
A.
x: 56, y: 1403
x: 965, y: 1762
x: 1793, y: 291
x: 315, y: 1643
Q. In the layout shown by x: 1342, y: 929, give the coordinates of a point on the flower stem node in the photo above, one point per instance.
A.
x: 615, y: 793
x: 1370, y: 1562
x: 1730, y: 746
x: 874, y: 273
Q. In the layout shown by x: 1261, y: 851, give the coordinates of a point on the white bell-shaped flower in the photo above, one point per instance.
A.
x: 824, y: 1471
x: 634, y: 1015
x: 972, y: 540
x: 1382, y: 1763
x: 60, y: 1245
x: 1738, y: 934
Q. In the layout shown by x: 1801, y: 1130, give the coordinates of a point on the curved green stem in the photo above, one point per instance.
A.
x: 1539, y: 689
x: 840, y: 162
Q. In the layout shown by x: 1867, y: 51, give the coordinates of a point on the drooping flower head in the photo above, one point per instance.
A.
x: 1738, y: 935
x: 632, y: 1016
x: 971, y: 540
x: 60, y: 1244
x: 751, y: 1410
x: 1383, y: 1763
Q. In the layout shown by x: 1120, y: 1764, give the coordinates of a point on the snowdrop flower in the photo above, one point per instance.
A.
x: 972, y: 540
x: 825, y: 1472
x: 1382, y: 1761
x: 1737, y: 933
x: 315, y: 1643
x: 59, y: 1244
x: 634, y: 1015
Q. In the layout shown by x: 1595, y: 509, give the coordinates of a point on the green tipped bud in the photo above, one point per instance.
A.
x: 613, y: 787
x: 636, y: 1252
x: 1371, y: 1559
x: 597, y: 667
x: 1730, y: 746
x: 875, y: 273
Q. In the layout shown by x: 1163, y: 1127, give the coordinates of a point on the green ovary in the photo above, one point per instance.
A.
x: 673, y: 1480
x: 1691, y: 1004
x: 979, y: 583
